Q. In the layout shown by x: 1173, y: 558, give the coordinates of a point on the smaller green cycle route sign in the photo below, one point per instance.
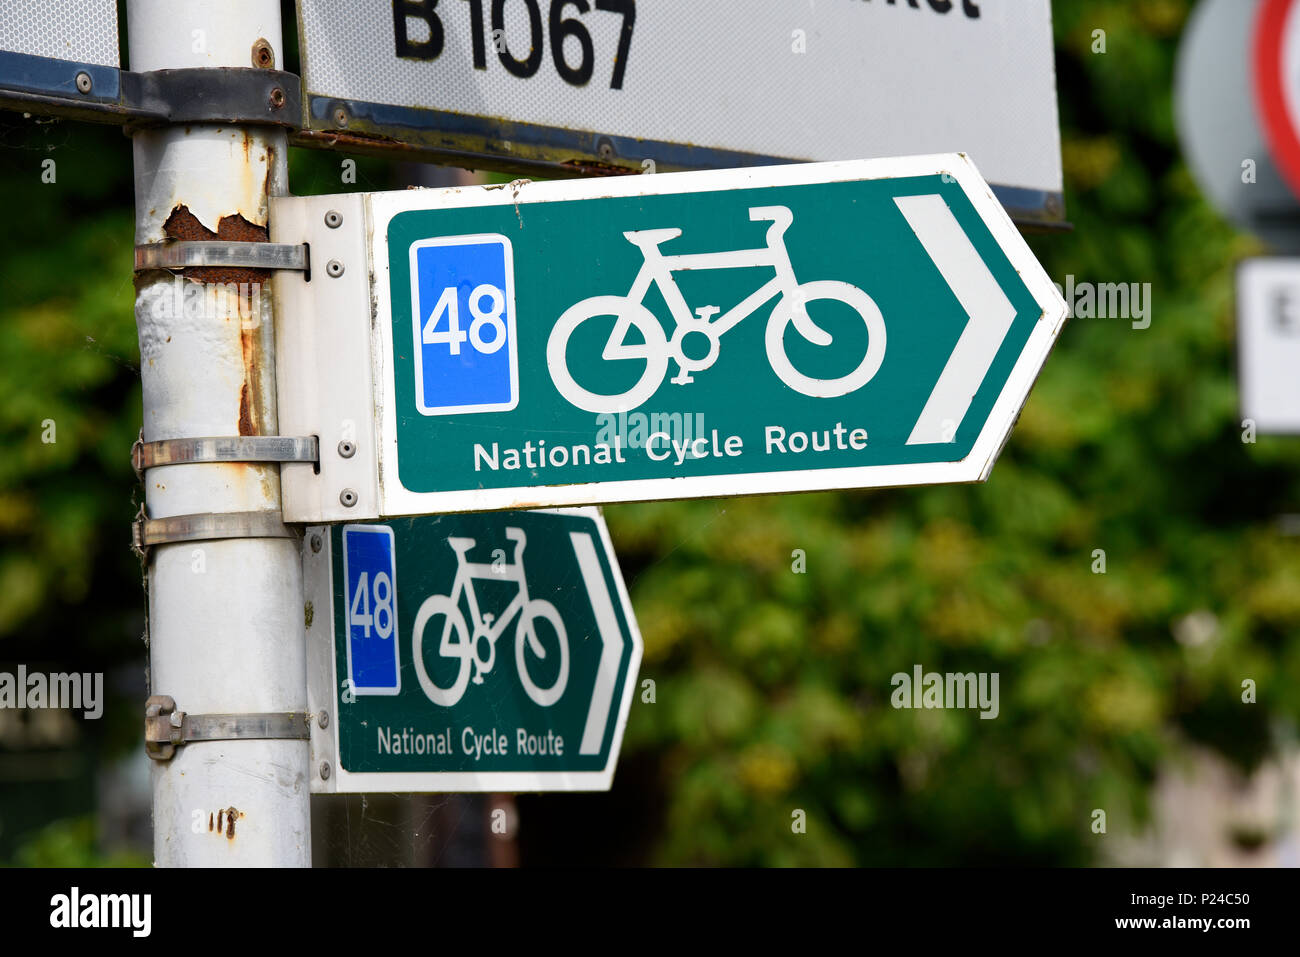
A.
x: 491, y: 652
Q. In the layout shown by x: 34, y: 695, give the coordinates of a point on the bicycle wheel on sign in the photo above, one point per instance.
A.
x: 438, y: 608
x: 542, y: 648
x: 654, y: 352
x: 791, y: 308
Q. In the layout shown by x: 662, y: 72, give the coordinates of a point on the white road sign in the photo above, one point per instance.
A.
x: 84, y: 31
x: 1268, y: 343
x: 682, y: 84
x: 59, y: 57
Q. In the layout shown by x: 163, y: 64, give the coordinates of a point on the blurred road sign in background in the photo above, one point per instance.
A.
x: 1232, y: 116
x: 572, y: 85
x: 468, y: 653
x: 1268, y: 343
x: 1275, y: 56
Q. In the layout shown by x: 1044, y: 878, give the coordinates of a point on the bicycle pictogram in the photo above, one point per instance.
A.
x: 657, y: 349
x: 475, y: 649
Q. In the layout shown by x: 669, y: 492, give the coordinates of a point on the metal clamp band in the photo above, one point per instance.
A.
x: 227, y: 95
x: 166, y: 729
x: 207, y: 526
x: 240, y: 448
x: 183, y: 254
x: 240, y: 95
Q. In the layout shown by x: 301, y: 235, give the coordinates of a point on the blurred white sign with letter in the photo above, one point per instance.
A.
x: 1268, y: 342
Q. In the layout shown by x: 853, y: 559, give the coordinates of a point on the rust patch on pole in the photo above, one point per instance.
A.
x: 225, y: 821
x: 184, y: 225
x: 246, y: 395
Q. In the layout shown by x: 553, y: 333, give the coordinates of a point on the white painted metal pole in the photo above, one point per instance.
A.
x: 225, y: 617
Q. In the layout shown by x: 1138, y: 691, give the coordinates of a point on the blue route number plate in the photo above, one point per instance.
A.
x: 463, y: 312
x: 370, y: 572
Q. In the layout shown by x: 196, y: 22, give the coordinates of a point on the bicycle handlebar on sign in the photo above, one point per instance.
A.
x: 781, y: 219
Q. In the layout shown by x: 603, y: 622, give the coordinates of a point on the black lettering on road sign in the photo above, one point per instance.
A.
x: 560, y: 24
x: 404, y: 10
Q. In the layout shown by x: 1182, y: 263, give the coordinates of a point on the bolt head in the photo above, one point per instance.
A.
x: 263, y: 55
x: 347, y: 449
x: 340, y: 117
x: 324, y: 770
x: 84, y: 83
x: 334, y: 268
x: 316, y: 543
x: 348, y: 498
x: 277, y: 98
x: 333, y: 219
x: 324, y: 719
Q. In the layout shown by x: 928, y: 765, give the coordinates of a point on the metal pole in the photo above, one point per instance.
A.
x: 226, y: 625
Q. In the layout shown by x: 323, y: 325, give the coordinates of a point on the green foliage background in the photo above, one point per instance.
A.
x: 772, y: 688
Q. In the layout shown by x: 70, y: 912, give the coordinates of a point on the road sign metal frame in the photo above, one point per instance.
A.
x: 406, y: 133
x: 316, y: 321
x: 243, y: 95
x: 329, y: 777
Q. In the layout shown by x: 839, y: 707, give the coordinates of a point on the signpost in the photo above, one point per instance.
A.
x: 468, y: 653
x: 820, y: 326
x: 572, y: 86
x: 1268, y: 343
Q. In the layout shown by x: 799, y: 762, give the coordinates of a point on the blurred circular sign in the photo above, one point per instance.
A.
x: 1277, y: 83
x: 1221, y: 113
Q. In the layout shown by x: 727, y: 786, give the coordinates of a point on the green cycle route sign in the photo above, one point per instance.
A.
x: 820, y: 326
x: 468, y: 653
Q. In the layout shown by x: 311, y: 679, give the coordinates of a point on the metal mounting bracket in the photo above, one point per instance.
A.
x: 244, y: 96
x: 166, y: 729
x: 206, y: 526
x: 183, y: 254
x: 324, y: 369
x: 240, y: 448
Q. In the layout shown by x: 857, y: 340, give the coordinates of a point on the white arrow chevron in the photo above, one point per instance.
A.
x: 988, y: 307
x: 611, y: 639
